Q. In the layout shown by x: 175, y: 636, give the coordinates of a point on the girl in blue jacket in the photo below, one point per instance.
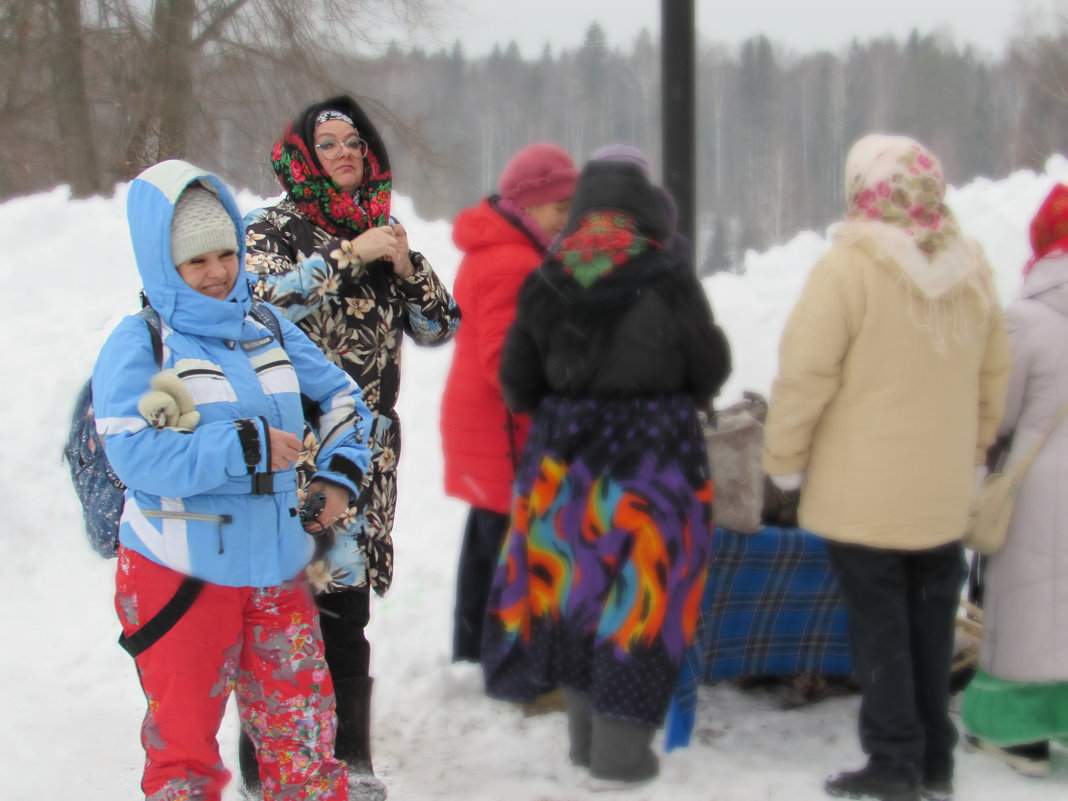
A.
x: 206, y: 446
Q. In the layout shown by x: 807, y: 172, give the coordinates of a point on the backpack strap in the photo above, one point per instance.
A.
x: 263, y: 314
x: 164, y: 620
x: 155, y: 330
x: 1028, y: 458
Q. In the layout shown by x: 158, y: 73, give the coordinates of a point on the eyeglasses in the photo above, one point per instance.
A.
x: 331, y: 149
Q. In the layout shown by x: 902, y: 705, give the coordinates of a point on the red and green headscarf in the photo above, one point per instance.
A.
x: 602, y: 241
x: 315, y: 193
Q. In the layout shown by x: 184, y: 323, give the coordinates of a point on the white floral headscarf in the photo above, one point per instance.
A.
x: 896, y: 180
x: 895, y: 209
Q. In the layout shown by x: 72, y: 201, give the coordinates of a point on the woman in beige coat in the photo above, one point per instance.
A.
x: 1018, y: 700
x: 893, y: 369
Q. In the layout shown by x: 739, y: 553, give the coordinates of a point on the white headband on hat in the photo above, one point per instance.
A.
x: 333, y: 114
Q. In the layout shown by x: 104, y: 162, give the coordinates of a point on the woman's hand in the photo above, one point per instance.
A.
x: 402, y: 265
x: 285, y: 449
x: 389, y: 243
x: 377, y: 243
x: 337, y: 501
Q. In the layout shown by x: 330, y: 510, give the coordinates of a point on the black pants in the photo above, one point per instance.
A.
x: 901, y: 607
x: 483, y: 538
x: 343, y: 616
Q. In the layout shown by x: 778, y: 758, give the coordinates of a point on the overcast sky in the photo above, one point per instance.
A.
x: 803, y: 25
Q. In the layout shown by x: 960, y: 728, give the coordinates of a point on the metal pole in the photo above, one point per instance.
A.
x: 678, y: 47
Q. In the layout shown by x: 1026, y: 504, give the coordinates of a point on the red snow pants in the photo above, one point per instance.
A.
x: 265, y: 643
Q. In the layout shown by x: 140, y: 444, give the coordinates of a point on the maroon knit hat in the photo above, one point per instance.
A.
x: 539, y: 173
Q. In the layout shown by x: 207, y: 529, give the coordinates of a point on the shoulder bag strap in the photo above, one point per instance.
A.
x: 164, y: 620
x: 1024, y: 464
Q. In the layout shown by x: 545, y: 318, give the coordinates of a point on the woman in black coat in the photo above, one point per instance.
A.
x: 333, y: 259
x: 613, y: 350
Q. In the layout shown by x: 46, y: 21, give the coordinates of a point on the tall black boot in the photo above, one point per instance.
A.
x: 250, y: 768
x: 579, y: 727
x: 353, y: 743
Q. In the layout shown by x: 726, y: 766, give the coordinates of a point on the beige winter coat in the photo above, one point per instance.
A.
x: 886, y: 400
x: 1025, y: 605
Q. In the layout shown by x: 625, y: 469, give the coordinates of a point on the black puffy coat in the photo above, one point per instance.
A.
x: 646, y: 329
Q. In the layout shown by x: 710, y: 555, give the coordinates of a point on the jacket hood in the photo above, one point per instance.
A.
x: 1048, y: 283
x: 149, y: 210
x: 488, y: 225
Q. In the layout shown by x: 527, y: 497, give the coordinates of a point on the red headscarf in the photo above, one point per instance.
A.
x: 1049, y: 228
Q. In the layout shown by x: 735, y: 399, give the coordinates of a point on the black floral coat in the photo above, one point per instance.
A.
x: 356, y: 313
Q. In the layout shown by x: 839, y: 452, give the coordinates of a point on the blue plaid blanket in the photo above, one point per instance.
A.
x: 771, y: 607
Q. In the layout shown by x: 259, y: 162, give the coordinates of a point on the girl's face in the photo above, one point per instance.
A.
x: 345, y: 148
x: 213, y: 274
x: 550, y: 217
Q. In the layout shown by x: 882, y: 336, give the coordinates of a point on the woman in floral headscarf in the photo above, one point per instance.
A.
x: 893, y: 368
x: 331, y: 257
x: 1018, y: 700
x: 613, y: 349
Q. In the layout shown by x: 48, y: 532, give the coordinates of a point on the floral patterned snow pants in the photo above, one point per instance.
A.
x: 263, y: 643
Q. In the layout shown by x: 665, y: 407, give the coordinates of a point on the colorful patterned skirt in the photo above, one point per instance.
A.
x: 600, y: 580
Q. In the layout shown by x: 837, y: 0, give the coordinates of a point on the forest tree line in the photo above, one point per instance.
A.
x: 94, y: 92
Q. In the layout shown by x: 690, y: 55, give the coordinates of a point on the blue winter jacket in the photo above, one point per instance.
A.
x: 190, y: 502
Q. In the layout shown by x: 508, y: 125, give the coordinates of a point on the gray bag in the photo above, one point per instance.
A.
x: 735, y: 440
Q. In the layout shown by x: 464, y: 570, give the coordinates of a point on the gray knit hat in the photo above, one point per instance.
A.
x: 200, y: 225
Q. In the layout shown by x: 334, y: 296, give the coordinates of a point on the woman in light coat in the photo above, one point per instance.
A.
x: 893, y: 369
x: 1018, y: 699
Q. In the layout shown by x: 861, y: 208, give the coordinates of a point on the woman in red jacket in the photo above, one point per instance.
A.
x: 503, y: 238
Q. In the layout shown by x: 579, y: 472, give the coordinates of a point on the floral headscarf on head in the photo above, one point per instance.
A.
x: 602, y: 241
x: 1049, y: 228
x: 896, y: 211
x: 896, y: 180
x: 315, y: 193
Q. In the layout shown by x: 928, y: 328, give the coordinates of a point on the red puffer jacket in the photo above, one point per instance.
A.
x: 481, y: 441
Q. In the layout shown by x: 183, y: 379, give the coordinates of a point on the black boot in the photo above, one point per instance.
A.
x: 250, y: 768
x: 353, y: 743
x: 579, y: 727
x: 620, y: 753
